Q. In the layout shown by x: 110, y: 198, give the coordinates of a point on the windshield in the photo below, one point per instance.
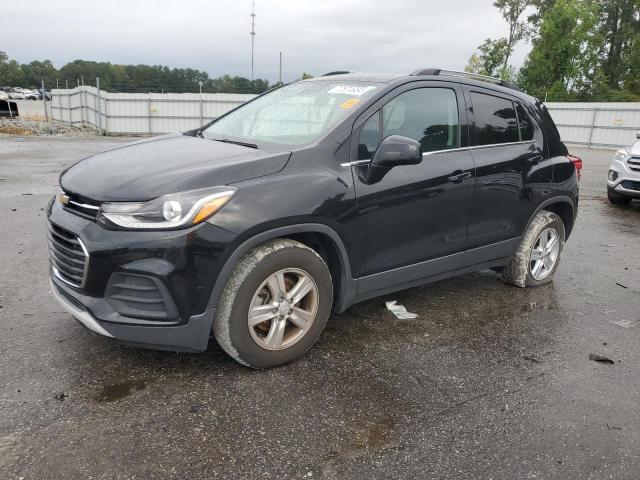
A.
x: 297, y: 114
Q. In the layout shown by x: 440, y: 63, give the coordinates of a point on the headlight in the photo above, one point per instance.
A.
x: 622, y: 155
x: 177, y: 210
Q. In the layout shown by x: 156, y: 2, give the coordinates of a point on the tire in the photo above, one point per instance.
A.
x: 523, y: 271
x: 253, y: 289
x: 617, y: 199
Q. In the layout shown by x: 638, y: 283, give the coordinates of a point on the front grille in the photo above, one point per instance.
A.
x: 140, y: 296
x: 630, y: 185
x: 82, y: 206
x: 69, y: 258
x: 634, y: 164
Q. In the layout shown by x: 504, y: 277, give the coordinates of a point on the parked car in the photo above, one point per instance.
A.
x: 16, y: 94
x: 306, y: 200
x: 30, y: 94
x: 623, y: 182
x: 44, y: 93
x: 4, y: 95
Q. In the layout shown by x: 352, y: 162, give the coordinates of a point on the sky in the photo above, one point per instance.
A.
x: 315, y: 36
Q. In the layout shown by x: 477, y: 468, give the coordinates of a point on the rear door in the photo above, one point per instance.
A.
x: 513, y: 174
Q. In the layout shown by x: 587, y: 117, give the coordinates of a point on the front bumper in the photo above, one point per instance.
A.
x: 193, y: 336
x: 180, y: 267
x: 627, y: 183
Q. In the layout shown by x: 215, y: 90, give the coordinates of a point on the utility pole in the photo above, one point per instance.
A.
x: 280, y: 70
x: 253, y: 35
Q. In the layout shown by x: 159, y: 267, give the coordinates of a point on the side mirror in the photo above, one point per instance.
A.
x: 394, y: 151
x: 638, y: 135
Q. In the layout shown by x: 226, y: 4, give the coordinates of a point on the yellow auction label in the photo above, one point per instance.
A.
x: 352, y: 102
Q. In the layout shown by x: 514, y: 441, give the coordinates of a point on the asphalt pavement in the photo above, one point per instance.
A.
x: 489, y: 382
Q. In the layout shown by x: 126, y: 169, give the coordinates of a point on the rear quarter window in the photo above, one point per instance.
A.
x: 495, y: 118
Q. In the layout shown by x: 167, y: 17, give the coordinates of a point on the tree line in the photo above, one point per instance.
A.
x: 123, y: 78
x: 582, y: 50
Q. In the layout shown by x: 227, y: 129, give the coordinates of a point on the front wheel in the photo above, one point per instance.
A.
x: 539, y: 252
x: 275, y: 305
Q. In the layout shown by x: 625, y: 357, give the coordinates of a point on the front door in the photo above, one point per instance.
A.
x: 415, y: 213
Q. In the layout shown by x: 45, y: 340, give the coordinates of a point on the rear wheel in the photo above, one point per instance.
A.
x: 539, y: 252
x: 275, y: 305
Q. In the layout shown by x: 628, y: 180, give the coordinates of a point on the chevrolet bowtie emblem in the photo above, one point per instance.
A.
x: 64, y: 198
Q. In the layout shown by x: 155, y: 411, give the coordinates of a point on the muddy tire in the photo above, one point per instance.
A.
x: 539, y: 253
x: 275, y: 305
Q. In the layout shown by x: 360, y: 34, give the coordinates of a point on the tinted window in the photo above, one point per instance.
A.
x: 496, y: 120
x: 369, y: 138
x: 428, y: 115
x: 526, y: 124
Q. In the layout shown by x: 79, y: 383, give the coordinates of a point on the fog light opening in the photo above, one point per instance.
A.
x: 613, y: 175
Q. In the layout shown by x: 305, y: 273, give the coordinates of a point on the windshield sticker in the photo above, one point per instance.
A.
x: 352, y: 102
x: 353, y: 90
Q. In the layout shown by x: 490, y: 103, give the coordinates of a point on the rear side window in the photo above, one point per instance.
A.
x: 496, y: 120
x: 526, y: 124
x: 428, y: 115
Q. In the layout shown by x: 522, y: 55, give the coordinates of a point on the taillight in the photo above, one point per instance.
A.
x: 577, y: 162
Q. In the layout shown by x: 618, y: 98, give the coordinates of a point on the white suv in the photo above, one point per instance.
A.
x: 623, y: 183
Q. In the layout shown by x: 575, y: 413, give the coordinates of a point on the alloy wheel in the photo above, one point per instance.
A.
x: 545, y: 253
x: 283, y: 309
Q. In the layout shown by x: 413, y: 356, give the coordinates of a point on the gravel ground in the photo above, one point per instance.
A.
x: 489, y: 381
x: 28, y: 127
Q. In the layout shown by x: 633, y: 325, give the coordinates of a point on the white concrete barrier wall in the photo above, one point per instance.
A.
x: 589, y: 124
x: 597, y: 124
x: 140, y: 113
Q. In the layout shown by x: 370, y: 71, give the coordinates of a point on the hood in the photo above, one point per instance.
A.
x: 168, y: 164
x: 635, y: 149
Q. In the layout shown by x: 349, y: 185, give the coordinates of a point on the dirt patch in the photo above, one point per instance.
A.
x: 15, y: 130
x: 28, y: 127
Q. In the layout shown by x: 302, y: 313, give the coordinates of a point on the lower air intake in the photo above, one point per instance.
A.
x: 140, y: 296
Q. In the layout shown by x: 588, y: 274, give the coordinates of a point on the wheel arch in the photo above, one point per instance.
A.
x: 320, y: 237
x: 562, y: 206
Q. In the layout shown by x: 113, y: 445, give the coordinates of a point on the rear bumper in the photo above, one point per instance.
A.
x: 192, y: 336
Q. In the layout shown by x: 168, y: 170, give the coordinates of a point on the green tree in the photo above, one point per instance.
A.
x: 512, y: 11
x: 37, y: 71
x: 491, y: 59
x: 563, y: 63
x: 11, y: 73
x: 619, y: 26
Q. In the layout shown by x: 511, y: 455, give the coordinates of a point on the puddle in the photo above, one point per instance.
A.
x: 116, y: 391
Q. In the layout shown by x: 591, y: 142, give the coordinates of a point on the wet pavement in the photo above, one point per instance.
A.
x: 489, y: 381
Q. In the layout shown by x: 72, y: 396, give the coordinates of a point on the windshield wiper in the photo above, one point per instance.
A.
x: 236, y: 142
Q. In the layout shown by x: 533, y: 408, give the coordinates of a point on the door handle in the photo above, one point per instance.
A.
x: 458, y: 176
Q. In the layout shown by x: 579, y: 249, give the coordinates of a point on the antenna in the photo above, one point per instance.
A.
x: 253, y: 34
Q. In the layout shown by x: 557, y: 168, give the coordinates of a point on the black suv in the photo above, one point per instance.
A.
x: 307, y: 199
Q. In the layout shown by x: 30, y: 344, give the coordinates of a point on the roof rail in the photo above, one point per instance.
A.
x: 337, y: 72
x: 476, y: 76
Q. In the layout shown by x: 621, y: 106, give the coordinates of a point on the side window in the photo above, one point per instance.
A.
x: 369, y: 137
x: 496, y: 120
x: 526, y: 124
x: 428, y: 115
